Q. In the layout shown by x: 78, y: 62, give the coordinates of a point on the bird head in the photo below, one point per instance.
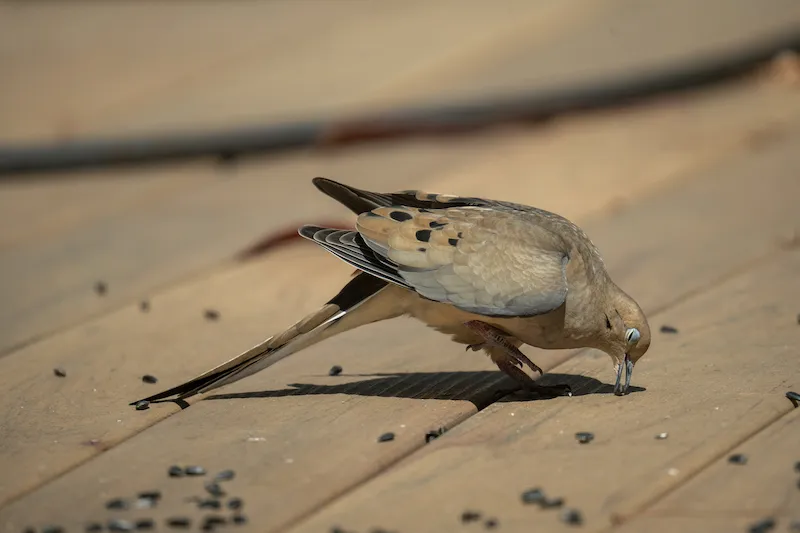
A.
x: 627, y: 337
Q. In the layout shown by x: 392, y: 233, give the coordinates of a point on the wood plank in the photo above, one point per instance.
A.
x: 695, y: 392
x: 767, y: 486
x: 404, y: 390
x: 141, y: 229
x: 218, y: 65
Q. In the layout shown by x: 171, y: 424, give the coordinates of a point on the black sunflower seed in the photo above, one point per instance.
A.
x: 117, y: 504
x: 210, y: 522
x: 335, y: 370
x: 234, y: 504
x: 572, y: 517
x: 762, y: 526
x: 100, y: 287
x: 470, y: 516
x: 225, y: 475
x: 584, y: 437
x: 668, y: 329
x: 386, y: 437
x: 179, y: 522
x: 60, y: 372
x: 211, y: 314
x: 239, y: 519
x: 145, y: 523
x: 209, y: 504
x: 738, y: 459
x: 144, y: 306
x: 491, y: 523
x: 175, y: 471
x: 120, y: 525
x: 794, y: 398
x: 147, y: 378
x: 150, y: 495
x: 550, y: 503
x: 142, y: 405
x: 194, y: 470
x: 214, y: 489
x: 93, y: 527
x: 533, y: 496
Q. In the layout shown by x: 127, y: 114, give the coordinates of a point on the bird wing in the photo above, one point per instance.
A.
x: 480, y: 259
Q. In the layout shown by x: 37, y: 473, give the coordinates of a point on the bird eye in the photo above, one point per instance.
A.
x: 632, y: 336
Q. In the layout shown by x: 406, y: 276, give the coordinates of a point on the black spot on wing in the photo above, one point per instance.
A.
x: 437, y: 225
x: 452, y: 242
x: 423, y: 235
x: 400, y: 216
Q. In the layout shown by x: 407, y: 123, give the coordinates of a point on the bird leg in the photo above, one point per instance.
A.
x: 499, y: 339
x: 508, y: 358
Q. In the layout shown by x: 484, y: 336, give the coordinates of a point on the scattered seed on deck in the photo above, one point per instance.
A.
x: 225, y: 475
x: 435, y: 434
x: 239, y: 519
x: 491, y: 523
x: 738, y: 459
x: 763, y: 526
x: 209, y: 504
x: 584, y: 437
x: 668, y: 329
x: 175, y: 471
x: 551, y: 503
x: 214, y: 489
x: 210, y: 522
x: 470, y: 516
x: 234, y: 504
x: 142, y: 405
x: 100, y: 288
x: 386, y: 437
x: 194, y: 470
x: 662, y: 436
x: 145, y: 523
x: 211, y: 314
x: 150, y: 495
x: 533, y: 496
x: 147, y: 378
x: 794, y: 398
x: 572, y: 517
x: 117, y: 504
x: 144, y: 306
x: 93, y: 527
x: 179, y: 522
x: 60, y: 372
x: 335, y: 370
x: 119, y: 524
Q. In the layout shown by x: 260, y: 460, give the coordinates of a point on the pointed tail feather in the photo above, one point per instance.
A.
x: 320, y: 325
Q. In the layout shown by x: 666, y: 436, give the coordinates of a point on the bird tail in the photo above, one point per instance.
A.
x: 336, y: 316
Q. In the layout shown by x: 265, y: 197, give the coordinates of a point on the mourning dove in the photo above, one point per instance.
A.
x: 491, y: 274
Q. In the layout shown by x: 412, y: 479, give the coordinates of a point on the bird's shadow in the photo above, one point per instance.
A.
x: 481, y: 387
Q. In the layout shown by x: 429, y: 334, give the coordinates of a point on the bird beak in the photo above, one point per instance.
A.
x: 619, y: 389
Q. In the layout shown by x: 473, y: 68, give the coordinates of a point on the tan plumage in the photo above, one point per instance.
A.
x: 494, y: 275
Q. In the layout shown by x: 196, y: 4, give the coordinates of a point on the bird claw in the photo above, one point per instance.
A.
x: 474, y: 347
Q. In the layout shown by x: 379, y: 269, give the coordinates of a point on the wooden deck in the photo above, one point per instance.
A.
x: 692, y: 198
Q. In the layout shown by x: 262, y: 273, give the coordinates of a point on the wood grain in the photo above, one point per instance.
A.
x: 307, y: 421
x: 694, y: 392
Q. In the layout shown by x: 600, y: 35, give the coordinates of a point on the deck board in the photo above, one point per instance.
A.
x: 692, y: 392
x: 301, y: 423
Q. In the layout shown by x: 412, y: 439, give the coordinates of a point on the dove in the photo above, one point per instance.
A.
x: 493, y: 275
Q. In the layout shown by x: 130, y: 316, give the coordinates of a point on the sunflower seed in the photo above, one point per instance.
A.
x: 120, y: 525
x: 550, y: 503
x: 210, y: 522
x: 194, y: 470
x: 214, y: 489
x: 584, y: 437
x: 117, y: 504
x: 100, y: 288
x: 239, y: 519
x: 470, y: 516
x: 335, y: 370
x: 145, y: 523
x: 175, y: 471
x: 147, y: 378
x: 738, y: 459
x: 668, y: 329
x: 52, y: 529
x: 209, y: 504
x: 235, y: 504
x: 794, y: 398
x: 490, y: 523
x: 142, y: 405
x: 93, y: 527
x: 533, y: 496
x: 572, y: 517
x: 179, y: 522
x: 211, y: 314
x: 225, y: 475
x: 144, y: 306
x: 386, y: 437
x: 60, y: 372
x: 763, y: 526
x: 662, y: 436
